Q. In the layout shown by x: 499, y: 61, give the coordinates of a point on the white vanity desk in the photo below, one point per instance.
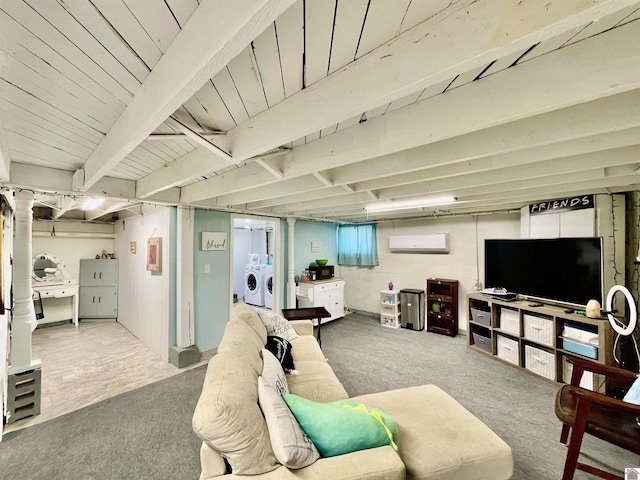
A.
x: 50, y: 280
x: 59, y: 290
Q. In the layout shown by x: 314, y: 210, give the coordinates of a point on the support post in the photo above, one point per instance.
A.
x: 291, y: 282
x: 24, y: 317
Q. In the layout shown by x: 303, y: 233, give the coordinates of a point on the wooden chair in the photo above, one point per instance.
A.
x: 598, y: 414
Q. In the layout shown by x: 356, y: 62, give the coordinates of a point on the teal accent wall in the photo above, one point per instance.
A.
x: 326, y: 234
x: 173, y: 261
x: 211, y: 291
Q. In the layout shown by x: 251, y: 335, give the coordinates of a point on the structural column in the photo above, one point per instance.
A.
x: 24, y: 317
x: 291, y: 281
x: 184, y: 352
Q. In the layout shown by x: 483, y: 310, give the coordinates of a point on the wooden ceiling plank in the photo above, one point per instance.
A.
x: 5, y: 158
x: 328, y: 202
x: 196, y: 54
x: 603, y: 24
x: 182, y: 10
x: 289, y: 31
x: 133, y: 33
x: 287, y: 199
x: 37, y: 85
x: 30, y: 131
x: 317, y: 41
x: 383, y: 22
x: 420, y: 10
x: 37, y: 107
x: 90, y: 33
x: 43, y: 30
x: 54, y: 80
x: 209, y: 98
x: 156, y: 19
x: 223, y: 83
x: 15, y: 34
x: 397, y: 75
x: 248, y: 83
x: 346, y: 33
x: 265, y: 51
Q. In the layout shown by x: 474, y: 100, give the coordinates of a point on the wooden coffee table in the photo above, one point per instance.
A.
x: 307, y: 314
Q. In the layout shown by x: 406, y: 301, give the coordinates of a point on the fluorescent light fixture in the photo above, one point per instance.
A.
x: 408, y: 204
x: 92, y: 203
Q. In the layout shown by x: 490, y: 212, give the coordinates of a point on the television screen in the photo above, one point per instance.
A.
x: 563, y: 270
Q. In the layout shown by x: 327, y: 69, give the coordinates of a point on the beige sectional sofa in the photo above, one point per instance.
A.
x: 437, y: 437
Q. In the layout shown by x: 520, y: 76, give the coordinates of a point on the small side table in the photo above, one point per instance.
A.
x: 307, y: 314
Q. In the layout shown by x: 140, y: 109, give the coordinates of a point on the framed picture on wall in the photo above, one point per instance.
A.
x: 154, y: 255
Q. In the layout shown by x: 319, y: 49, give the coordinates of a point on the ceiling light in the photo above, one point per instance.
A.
x: 92, y: 203
x: 408, y: 204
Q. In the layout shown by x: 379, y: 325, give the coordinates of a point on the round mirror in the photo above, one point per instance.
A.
x: 45, y: 267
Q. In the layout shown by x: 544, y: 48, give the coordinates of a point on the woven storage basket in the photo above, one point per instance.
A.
x: 590, y: 380
x: 540, y: 362
x: 538, y: 329
x: 510, y: 320
x: 508, y: 349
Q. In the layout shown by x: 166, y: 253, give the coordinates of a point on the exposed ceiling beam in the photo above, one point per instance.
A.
x: 482, y: 37
x: 196, y: 137
x: 397, y: 74
x: 570, y: 76
x: 215, y: 34
x: 65, y: 204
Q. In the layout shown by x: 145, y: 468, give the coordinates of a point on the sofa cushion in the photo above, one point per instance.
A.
x: 306, y: 347
x: 228, y: 417
x: 458, y: 444
x: 291, y: 445
x: 316, y: 381
x: 342, y: 427
x: 250, y: 316
x: 240, y: 339
x: 277, y: 325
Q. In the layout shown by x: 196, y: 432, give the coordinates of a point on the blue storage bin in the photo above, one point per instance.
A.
x: 584, y: 349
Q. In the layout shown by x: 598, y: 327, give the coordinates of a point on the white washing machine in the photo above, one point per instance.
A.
x: 254, y: 285
x: 267, y: 275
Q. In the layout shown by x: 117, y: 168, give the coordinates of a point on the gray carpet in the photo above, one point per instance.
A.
x: 146, y: 433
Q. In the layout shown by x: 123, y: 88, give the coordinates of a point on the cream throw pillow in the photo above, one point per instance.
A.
x: 277, y: 325
x: 291, y: 446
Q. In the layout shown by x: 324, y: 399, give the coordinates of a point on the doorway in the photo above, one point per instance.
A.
x: 256, y: 262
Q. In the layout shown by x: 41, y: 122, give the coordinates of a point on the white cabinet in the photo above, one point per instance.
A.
x: 389, y: 308
x: 323, y: 293
x: 98, y: 289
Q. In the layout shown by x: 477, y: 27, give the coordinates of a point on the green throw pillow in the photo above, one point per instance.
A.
x: 343, y: 426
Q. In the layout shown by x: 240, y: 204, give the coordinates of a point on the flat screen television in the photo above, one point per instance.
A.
x: 566, y: 271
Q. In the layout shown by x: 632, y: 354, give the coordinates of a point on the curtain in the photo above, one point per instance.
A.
x: 357, y: 245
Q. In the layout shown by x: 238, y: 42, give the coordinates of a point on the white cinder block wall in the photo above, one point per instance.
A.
x: 464, y: 262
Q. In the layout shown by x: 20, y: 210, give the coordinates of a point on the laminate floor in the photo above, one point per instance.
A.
x: 85, y: 365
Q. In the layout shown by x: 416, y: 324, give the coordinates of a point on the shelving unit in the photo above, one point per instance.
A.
x: 442, y: 306
x: 389, y: 308
x: 531, y: 338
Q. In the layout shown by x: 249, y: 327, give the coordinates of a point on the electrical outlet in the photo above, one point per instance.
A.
x: 207, y: 268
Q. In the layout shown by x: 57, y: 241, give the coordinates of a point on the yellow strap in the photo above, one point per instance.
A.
x: 378, y: 417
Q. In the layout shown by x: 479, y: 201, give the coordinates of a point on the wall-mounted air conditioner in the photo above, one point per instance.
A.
x: 434, y: 243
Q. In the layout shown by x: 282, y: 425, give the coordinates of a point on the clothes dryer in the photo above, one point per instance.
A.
x: 254, y: 285
x: 267, y: 275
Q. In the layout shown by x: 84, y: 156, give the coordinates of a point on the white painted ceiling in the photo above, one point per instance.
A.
x: 317, y: 108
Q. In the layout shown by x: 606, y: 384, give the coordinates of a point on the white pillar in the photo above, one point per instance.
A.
x: 291, y: 282
x: 184, y: 288
x: 24, y: 316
